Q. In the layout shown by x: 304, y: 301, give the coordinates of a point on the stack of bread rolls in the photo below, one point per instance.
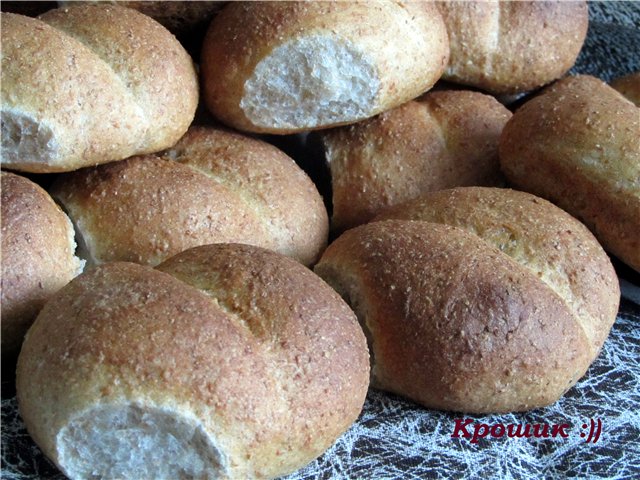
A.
x: 205, y: 326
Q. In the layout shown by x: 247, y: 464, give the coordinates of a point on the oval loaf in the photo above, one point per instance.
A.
x: 279, y: 67
x: 213, y: 186
x: 228, y: 361
x: 578, y: 145
x: 89, y: 84
x: 443, y: 139
x: 476, y: 299
x: 37, y: 256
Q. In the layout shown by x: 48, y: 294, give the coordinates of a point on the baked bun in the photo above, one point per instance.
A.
x: 89, y: 84
x: 442, y: 140
x: 281, y: 67
x: 511, y: 47
x: 476, y: 299
x: 577, y: 144
x: 37, y: 256
x: 228, y: 361
x: 213, y: 186
x: 629, y: 86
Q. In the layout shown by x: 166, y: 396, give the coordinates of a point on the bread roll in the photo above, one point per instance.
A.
x: 279, y: 67
x: 510, y: 47
x: 89, y: 84
x: 212, y: 186
x: 577, y: 145
x: 476, y: 299
x: 629, y: 86
x: 442, y: 140
x: 229, y: 361
x: 37, y: 256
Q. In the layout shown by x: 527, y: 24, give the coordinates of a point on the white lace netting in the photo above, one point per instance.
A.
x: 395, y: 438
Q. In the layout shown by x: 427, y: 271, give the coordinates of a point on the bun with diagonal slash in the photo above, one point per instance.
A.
x: 512, y: 47
x: 227, y: 361
x: 476, y: 299
x: 89, y: 84
x: 213, y: 186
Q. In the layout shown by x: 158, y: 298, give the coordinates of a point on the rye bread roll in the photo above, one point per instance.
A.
x: 442, y: 140
x: 228, y: 361
x: 577, y: 144
x: 89, y: 84
x: 38, y: 256
x: 512, y: 47
x: 213, y: 186
x: 281, y: 67
x: 476, y: 299
x: 629, y: 87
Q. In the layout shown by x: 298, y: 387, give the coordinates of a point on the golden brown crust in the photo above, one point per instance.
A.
x: 37, y: 256
x: 510, y: 47
x: 477, y: 299
x: 235, y: 338
x: 93, y: 83
x: 577, y: 145
x: 553, y: 245
x: 246, y: 32
x: 629, y: 86
x: 224, y: 187
x: 442, y: 140
x: 283, y: 196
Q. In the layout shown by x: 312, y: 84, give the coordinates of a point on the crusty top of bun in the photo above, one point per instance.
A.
x: 549, y: 242
x: 443, y: 139
x: 37, y: 255
x: 89, y: 84
x: 288, y: 66
x: 510, y: 47
x: 259, y: 360
x: 576, y: 144
x: 212, y: 186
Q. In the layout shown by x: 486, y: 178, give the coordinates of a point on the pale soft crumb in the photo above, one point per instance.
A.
x: 134, y: 441
x: 25, y: 140
x: 311, y: 81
